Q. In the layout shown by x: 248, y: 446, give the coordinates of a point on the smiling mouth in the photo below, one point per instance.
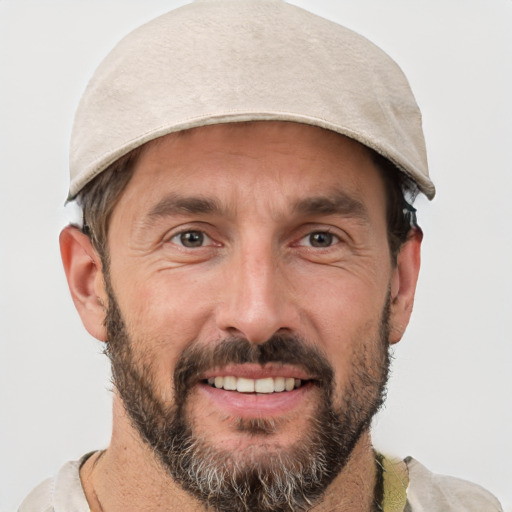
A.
x: 266, y: 385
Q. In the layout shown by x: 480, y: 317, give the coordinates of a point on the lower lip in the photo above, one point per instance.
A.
x: 252, y: 405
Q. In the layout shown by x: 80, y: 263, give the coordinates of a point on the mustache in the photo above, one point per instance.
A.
x: 280, y: 348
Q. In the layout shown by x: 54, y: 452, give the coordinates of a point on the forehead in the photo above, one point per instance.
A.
x: 257, y: 162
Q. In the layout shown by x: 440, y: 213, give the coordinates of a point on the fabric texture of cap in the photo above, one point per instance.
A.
x: 222, y: 61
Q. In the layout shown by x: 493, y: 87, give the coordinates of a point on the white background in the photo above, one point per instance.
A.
x: 450, y: 397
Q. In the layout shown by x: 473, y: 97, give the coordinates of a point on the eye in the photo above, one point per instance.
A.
x: 191, y: 239
x: 320, y: 239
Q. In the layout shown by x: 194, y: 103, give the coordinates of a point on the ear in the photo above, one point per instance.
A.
x: 403, y: 284
x: 82, y: 265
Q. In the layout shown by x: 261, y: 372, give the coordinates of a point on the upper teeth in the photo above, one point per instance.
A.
x: 243, y: 385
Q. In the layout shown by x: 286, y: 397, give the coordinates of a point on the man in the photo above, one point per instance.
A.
x: 248, y: 253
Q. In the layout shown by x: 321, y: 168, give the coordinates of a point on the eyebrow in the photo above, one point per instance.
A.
x: 175, y: 204
x: 336, y: 204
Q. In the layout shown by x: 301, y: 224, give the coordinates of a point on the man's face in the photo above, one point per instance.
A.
x: 245, y: 259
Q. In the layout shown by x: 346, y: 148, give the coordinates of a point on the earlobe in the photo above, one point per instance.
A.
x: 83, y: 269
x: 403, y: 285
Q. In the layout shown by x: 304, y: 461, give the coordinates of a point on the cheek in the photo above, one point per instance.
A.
x: 356, y: 350
x: 163, y: 315
x: 346, y: 315
x: 344, y: 300
x: 162, y: 301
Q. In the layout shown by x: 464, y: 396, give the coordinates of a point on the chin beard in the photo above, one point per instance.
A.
x: 254, y: 479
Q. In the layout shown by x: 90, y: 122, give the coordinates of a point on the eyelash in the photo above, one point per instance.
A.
x: 177, y: 240
x: 332, y: 238
x: 206, y: 240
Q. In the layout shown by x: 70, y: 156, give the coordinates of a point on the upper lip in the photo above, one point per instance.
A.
x: 256, y: 371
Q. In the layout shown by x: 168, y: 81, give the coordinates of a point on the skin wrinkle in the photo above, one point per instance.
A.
x: 99, y: 197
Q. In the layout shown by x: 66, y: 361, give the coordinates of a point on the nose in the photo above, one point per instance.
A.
x: 258, y: 296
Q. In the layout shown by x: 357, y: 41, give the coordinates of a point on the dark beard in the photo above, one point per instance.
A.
x: 290, y: 480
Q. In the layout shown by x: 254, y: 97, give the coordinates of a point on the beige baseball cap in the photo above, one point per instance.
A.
x: 226, y: 61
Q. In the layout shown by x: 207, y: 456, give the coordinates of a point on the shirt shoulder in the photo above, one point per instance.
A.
x: 428, y: 492
x: 40, y: 498
x: 63, y: 493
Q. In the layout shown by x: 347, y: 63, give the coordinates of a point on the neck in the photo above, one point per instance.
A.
x: 127, y: 477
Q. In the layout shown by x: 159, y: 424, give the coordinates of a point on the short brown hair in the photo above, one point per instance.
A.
x: 99, y: 197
